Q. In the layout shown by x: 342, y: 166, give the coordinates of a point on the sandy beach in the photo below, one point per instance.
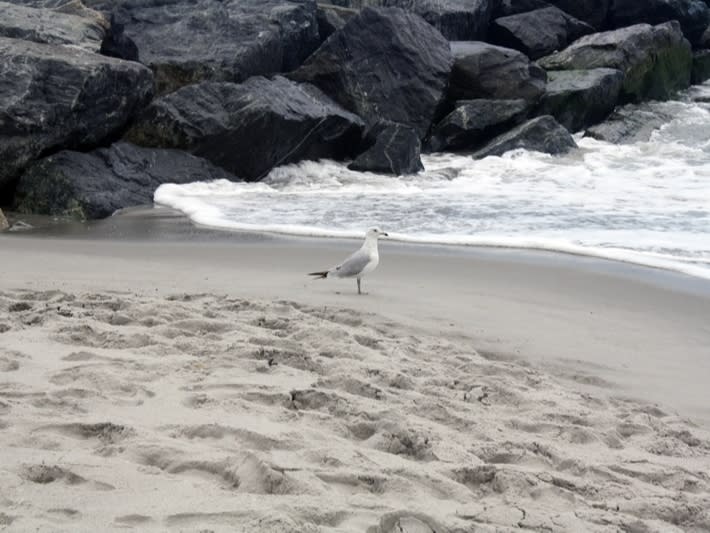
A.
x: 158, y: 376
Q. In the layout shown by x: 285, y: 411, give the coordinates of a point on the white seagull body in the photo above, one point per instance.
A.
x: 362, y: 262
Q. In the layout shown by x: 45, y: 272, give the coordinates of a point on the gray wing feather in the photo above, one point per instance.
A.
x: 353, y: 265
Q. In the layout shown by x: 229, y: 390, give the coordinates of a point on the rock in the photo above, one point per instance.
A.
x: 474, y: 122
x: 385, y: 63
x: 701, y: 66
x: 693, y: 15
x: 457, y: 20
x: 593, y: 12
x: 656, y: 60
x: 249, y: 128
x: 3, y: 221
x: 537, y: 33
x: 116, y: 44
x: 541, y: 134
x: 54, y: 97
x: 331, y: 19
x: 579, y: 98
x: 53, y: 26
x: 189, y: 41
x: 504, y: 8
x: 393, y: 149
x: 96, y: 184
x: 629, y: 124
x: 483, y: 70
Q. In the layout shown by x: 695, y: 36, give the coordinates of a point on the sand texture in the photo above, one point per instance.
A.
x: 207, y: 412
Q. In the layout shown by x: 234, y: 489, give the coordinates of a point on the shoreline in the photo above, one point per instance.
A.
x: 541, y: 307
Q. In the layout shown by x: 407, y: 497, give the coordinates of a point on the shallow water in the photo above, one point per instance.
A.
x: 645, y: 203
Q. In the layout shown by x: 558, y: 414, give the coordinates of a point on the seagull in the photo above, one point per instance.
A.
x: 362, y: 262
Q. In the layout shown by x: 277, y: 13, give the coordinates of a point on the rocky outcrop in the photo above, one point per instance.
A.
x: 539, y: 32
x: 505, y: 8
x: 332, y: 18
x: 541, y: 134
x: 701, y: 66
x: 189, y: 41
x: 3, y: 221
x: 54, y: 97
x: 249, y: 128
x: 96, y: 184
x: 393, y: 149
x: 85, y: 30
x: 385, y: 63
x: 693, y: 15
x: 593, y: 12
x: 629, y: 124
x: 656, y: 60
x: 579, y: 98
x: 483, y: 70
x: 475, y: 121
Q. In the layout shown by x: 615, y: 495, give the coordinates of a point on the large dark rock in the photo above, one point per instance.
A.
x: 504, y: 8
x: 701, y: 66
x: 188, y: 41
x: 3, y: 221
x: 332, y: 18
x: 249, y: 128
x: 393, y: 149
x: 96, y: 184
x: 656, y: 60
x: 385, y: 63
x: 541, y: 134
x: 54, y: 97
x: 457, y: 20
x: 474, y: 122
x: 537, y: 33
x: 629, y: 124
x: 693, y: 15
x: 593, y: 12
x: 84, y: 29
x: 579, y: 98
x: 483, y: 70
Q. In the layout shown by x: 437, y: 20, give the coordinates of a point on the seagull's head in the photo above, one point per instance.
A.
x: 375, y: 233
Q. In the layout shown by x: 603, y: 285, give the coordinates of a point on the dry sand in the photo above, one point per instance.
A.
x: 207, y: 386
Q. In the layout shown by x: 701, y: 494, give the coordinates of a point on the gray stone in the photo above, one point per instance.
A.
x: 249, y: 128
x: 593, y: 12
x: 693, y: 15
x: 541, y: 134
x: 394, y: 149
x: 656, y: 60
x: 504, y: 8
x: 701, y: 66
x: 332, y: 18
x: 54, y: 97
x: 474, y: 122
x: 85, y: 29
x: 537, y: 33
x: 580, y: 98
x: 386, y: 63
x: 96, y: 184
x: 483, y: 70
x: 629, y: 124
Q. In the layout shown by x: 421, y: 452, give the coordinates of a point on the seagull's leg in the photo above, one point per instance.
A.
x: 358, y: 286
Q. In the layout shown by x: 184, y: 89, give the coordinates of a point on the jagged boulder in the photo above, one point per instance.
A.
x: 656, y: 60
x: 189, y: 41
x: 54, y: 97
x: 249, y: 128
x: 629, y: 124
x: 474, y: 122
x: 693, y: 15
x: 483, y: 70
x: 457, y: 20
x: 386, y: 63
x: 701, y: 66
x: 84, y: 29
x: 332, y: 18
x: 96, y: 184
x: 593, y: 12
x: 504, y: 8
x: 541, y: 134
x: 391, y: 149
x: 580, y: 98
x: 539, y: 32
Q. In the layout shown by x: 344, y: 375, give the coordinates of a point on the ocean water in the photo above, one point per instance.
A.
x: 646, y: 203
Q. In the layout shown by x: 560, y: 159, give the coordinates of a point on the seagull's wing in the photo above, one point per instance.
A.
x: 353, y: 265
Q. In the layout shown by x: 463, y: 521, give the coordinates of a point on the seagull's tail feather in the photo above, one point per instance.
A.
x: 319, y: 275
